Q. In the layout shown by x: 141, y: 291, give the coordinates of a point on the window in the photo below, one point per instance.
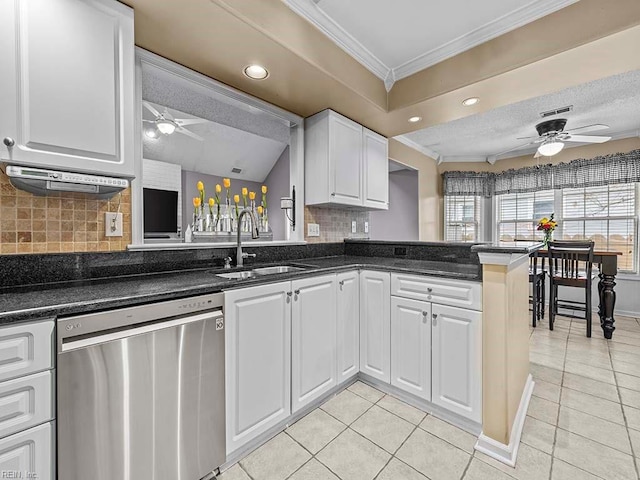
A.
x: 462, y: 217
x: 518, y: 214
x: 607, y: 215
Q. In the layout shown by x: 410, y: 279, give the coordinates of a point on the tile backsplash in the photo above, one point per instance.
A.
x: 60, y: 222
x: 335, y: 223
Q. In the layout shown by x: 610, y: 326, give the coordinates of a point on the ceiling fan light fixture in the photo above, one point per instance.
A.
x: 256, y: 72
x: 151, y: 132
x: 551, y: 147
x: 468, y: 102
x: 166, y: 127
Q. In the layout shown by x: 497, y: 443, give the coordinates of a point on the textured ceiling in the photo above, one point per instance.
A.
x: 613, y: 101
x: 223, y: 148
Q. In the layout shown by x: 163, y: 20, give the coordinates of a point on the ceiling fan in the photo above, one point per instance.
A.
x: 552, y: 137
x: 166, y: 124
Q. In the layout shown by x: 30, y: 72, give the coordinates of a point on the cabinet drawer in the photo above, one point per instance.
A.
x: 25, y: 402
x: 28, y: 454
x: 457, y: 293
x: 26, y: 348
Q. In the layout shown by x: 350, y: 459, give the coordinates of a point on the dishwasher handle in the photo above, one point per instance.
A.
x: 83, y: 341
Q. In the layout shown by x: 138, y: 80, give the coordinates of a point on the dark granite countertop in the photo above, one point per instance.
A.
x: 507, y: 247
x: 70, y: 298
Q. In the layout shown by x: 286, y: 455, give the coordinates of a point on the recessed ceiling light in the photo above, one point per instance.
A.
x: 256, y: 72
x: 467, y: 102
x: 415, y: 119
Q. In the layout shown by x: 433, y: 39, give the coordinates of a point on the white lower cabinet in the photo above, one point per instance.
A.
x: 457, y: 360
x: 313, y: 339
x: 28, y: 454
x: 375, y: 325
x: 411, y: 346
x: 348, y: 325
x: 258, y: 360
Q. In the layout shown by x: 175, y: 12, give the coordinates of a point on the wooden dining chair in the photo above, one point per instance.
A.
x: 570, y: 265
x: 537, y: 276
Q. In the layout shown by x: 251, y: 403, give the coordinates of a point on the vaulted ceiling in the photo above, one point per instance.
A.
x: 585, y: 41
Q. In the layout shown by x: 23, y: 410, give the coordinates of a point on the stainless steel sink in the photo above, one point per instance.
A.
x: 277, y: 269
x: 238, y: 275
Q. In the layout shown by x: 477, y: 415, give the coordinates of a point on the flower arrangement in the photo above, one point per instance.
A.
x: 547, y: 225
x: 225, y: 223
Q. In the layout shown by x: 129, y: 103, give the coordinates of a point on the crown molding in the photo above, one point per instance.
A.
x: 309, y: 10
x: 416, y: 146
x: 489, y: 31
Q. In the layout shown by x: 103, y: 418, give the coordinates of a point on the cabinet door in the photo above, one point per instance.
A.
x: 348, y: 317
x: 258, y: 360
x: 376, y: 170
x: 313, y: 339
x: 29, y: 454
x: 68, y: 84
x: 411, y: 346
x: 457, y: 360
x: 345, y: 160
x: 375, y: 334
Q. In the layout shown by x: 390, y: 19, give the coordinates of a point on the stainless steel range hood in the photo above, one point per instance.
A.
x: 42, y: 182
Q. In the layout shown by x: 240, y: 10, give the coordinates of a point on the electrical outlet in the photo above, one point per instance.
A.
x: 366, y: 227
x: 313, y: 230
x: 354, y: 226
x: 112, y: 224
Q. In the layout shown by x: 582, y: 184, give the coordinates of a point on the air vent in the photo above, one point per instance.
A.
x: 236, y: 170
x: 557, y: 111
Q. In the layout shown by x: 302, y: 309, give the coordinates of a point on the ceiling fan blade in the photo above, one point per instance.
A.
x: 586, y: 139
x: 515, y: 148
x: 588, y: 128
x: 149, y: 121
x: 526, y: 138
x: 189, y: 121
x: 189, y: 133
x: 151, y: 108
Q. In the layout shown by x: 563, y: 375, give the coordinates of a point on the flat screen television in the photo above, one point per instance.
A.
x: 160, y: 213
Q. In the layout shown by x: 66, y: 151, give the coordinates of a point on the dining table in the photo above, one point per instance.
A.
x: 607, y: 262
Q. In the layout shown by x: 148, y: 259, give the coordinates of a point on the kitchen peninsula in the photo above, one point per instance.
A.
x: 476, y: 297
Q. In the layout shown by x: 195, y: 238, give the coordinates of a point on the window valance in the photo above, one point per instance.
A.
x: 602, y: 170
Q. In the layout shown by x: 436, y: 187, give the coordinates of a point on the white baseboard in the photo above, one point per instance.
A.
x: 508, y: 454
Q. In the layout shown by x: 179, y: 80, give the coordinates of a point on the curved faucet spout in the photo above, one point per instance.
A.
x: 254, y: 234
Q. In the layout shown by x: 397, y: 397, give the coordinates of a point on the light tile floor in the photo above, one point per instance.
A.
x: 583, y: 423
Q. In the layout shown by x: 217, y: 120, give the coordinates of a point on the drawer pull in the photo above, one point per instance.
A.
x: 429, y: 289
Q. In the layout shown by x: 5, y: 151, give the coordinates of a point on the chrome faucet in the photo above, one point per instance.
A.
x: 240, y: 256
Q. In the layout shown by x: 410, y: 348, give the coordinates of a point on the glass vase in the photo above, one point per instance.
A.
x: 264, y: 223
x: 548, y: 237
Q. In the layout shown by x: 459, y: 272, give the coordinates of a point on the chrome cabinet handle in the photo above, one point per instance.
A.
x: 289, y: 297
x: 297, y: 292
x: 341, y: 283
x: 429, y: 289
x: 9, y: 142
x: 435, y: 318
x: 424, y: 317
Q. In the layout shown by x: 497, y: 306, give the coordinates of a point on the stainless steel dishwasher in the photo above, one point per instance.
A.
x: 141, y: 392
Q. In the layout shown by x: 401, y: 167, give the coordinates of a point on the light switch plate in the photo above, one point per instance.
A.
x: 354, y: 226
x: 366, y: 227
x: 112, y: 224
x: 313, y: 230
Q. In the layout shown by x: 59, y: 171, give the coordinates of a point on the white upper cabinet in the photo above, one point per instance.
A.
x: 258, y: 360
x: 457, y: 360
x: 345, y: 163
x: 375, y: 325
x: 411, y: 346
x: 376, y: 170
x: 348, y: 318
x: 313, y: 339
x: 67, y: 85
